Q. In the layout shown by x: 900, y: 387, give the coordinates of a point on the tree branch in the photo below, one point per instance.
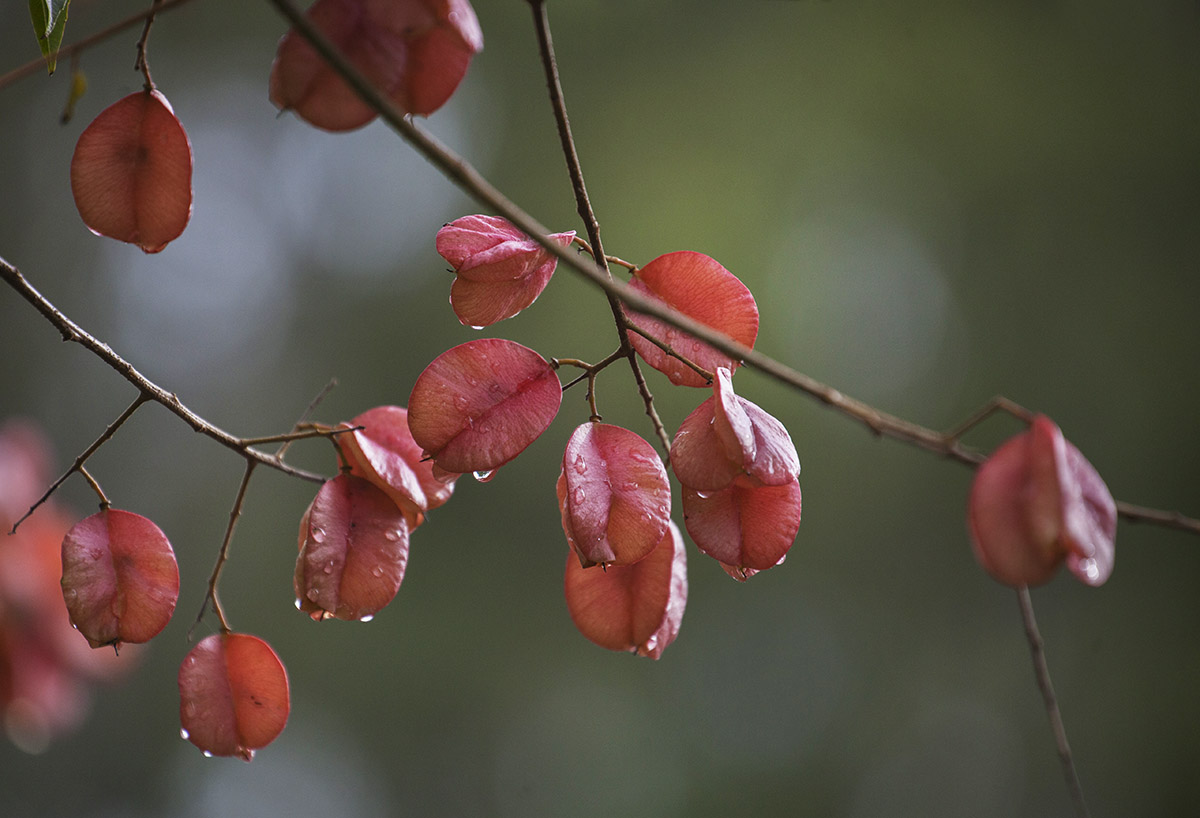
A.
x: 459, y: 171
x: 147, y: 389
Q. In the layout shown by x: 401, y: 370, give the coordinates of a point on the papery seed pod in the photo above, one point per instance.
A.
x: 120, y: 580
x: 636, y: 608
x: 415, y: 52
x: 353, y: 551
x: 744, y: 526
x: 233, y: 695
x: 699, y: 287
x: 1037, y: 502
x: 384, y: 452
x: 478, y: 405
x: 613, y: 494
x: 499, y: 270
x: 727, y: 436
x: 131, y: 173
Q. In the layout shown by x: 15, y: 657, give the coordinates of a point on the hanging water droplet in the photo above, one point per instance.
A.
x: 184, y: 734
x: 299, y: 604
x: 366, y: 618
x: 475, y: 327
x: 651, y: 644
x: 207, y: 754
x: 1090, y: 568
x: 483, y: 476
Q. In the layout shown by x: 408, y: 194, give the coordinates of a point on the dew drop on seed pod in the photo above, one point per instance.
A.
x: 184, y: 734
x: 483, y: 476
x: 366, y: 618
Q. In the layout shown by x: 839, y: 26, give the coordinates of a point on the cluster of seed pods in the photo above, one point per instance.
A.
x: 1035, y: 504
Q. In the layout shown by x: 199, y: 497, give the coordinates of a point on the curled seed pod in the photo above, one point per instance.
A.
x: 1037, y: 502
x: 613, y: 494
x: 636, y: 608
x: 353, y: 551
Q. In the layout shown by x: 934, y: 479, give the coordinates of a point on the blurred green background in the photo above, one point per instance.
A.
x: 933, y: 202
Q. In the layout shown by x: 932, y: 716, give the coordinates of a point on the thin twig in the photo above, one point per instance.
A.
x: 95, y: 484
x: 620, y: 262
x: 212, y: 597
x: 83, y: 456
x: 141, y: 63
x: 71, y: 331
x: 34, y: 66
x: 584, y: 206
x: 1046, y: 686
x: 461, y: 173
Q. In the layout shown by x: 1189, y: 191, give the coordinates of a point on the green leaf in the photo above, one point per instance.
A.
x: 49, y: 19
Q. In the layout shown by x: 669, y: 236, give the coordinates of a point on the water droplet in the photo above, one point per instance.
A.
x: 313, y: 594
x: 376, y: 572
x: 704, y: 495
x: 366, y: 618
x: 207, y: 754
x: 73, y: 625
x: 651, y: 644
x: 70, y: 595
x: 298, y: 603
x: 328, y: 569
x: 184, y: 734
x: 580, y: 464
x: 483, y: 476
x: 1091, y: 569
x: 475, y: 327
x: 630, y: 485
x: 318, y: 534
x: 578, y: 496
x: 247, y: 754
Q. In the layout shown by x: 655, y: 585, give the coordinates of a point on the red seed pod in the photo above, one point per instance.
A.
x: 699, y: 287
x: 120, y: 579
x: 726, y: 436
x: 478, y: 405
x: 744, y: 526
x: 613, y: 494
x: 415, y: 51
x: 131, y: 174
x: 233, y: 695
x: 384, y: 452
x: 499, y: 270
x: 353, y: 551
x: 1037, y: 501
x: 636, y: 608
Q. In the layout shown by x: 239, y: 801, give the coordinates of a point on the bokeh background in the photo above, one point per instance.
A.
x: 933, y: 202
